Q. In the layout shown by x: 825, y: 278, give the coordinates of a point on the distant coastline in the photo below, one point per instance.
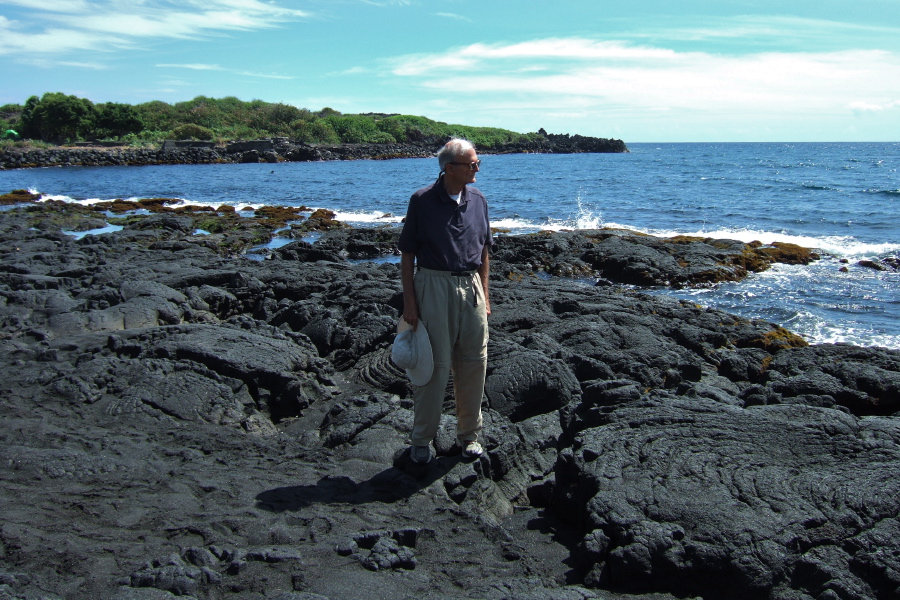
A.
x: 274, y: 150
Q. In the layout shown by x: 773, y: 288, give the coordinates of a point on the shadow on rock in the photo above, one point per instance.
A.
x: 391, y: 485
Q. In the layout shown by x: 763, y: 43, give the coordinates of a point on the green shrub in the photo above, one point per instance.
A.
x: 315, y: 132
x: 190, y: 131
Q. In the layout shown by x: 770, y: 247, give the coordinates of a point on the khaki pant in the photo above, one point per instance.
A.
x: 455, y: 316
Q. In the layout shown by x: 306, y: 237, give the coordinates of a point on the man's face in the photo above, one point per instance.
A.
x: 460, y: 171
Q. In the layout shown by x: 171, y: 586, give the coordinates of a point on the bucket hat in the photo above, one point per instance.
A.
x: 412, y: 351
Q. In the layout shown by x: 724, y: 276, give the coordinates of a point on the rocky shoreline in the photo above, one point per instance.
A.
x: 185, y: 422
x: 273, y: 150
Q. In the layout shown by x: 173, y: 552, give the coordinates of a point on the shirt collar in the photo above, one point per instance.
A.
x: 445, y: 196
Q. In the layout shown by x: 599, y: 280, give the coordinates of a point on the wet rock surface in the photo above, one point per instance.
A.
x: 180, y: 422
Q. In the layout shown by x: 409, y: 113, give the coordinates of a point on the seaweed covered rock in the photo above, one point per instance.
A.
x: 632, y: 258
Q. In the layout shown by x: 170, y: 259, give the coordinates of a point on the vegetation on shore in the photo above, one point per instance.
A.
x: 59, y: 119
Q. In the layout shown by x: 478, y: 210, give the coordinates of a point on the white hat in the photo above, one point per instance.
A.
x: 412, y: 351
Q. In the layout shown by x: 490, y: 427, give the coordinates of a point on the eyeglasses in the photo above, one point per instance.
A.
x: 471, y: 165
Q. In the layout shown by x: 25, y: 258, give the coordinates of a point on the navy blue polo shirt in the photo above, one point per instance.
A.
x: 444, y: 235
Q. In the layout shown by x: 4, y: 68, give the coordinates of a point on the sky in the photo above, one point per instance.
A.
x: 640, y: 71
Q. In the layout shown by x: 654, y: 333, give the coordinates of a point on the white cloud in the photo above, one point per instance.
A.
x: 357, y: 70
x: 606, y: 75
x: 264, y: 75
x: 769, y: 27
x: 654, y: 92
x: 206, y: 67
x: 431, y: 64
x: 71, y: 25
x: 83, y: 65
x: 570, y: 48
x: 55, y: 6
x: 44, y: 63
x: 869, y: 107
x: 454, y: 16
x: 387, y: 2
x: 193, y: 66
x: 573, y: 49
x: 53, y: 41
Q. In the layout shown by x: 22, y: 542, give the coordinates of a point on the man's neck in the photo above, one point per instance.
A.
x: 453, y: 189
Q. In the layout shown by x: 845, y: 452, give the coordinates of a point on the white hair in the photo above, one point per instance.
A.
x: 453, y: 150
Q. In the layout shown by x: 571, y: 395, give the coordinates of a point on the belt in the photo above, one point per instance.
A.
x: 440, y: 273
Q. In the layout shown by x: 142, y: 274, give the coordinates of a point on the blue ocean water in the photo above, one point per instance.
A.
x: 843, y: 198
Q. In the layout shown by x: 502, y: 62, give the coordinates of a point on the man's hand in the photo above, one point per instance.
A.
x: 483, y: 275
x: 411, y: 315
x: 410, y: 306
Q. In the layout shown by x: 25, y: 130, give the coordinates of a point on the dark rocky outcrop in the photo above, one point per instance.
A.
x: 887, y: 263
x: 14, y: 158
x: 633, y: 258
x: 179, y: 422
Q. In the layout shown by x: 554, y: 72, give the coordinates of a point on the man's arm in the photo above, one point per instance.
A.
x: 410, y: 306
x: 483, y: 274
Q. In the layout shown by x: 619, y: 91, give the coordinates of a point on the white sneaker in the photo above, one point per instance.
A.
x: 472, y: 449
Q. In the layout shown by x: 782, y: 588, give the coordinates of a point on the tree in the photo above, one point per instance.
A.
x: 328, y: 112
x: 116, y: 120
x: 201, y: 111
x: 58, y: 117
x: 26, y: 119
x: 157, y: 115
x: 283, y: 114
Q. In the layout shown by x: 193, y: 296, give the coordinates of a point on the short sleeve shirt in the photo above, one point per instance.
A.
x: 444, y: 235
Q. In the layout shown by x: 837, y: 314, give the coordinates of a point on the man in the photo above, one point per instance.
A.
x: 447, y: 235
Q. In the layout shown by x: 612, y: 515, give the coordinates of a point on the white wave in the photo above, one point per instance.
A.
x: 818, y: 329
x: 91, y: 201
x: 513, y: 224
x: 841, y: 246
x: 58, y: 198
x: 373, y: 217
x: 583, y: 218
x: 859, y: 338
x: 586, y: 218
x: 844, y: 246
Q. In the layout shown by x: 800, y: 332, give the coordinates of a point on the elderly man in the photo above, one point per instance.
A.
x: 444, y: 267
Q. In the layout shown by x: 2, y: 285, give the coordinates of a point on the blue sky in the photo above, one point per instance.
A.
x: 642, y: 71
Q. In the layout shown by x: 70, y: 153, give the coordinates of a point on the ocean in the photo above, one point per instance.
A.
x: 842, y: 198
